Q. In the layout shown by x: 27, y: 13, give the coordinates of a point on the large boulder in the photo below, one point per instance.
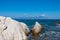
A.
x: 25, y: 28
x: 12, y: 31
x: 2, y: 25
x: 2, y: 28
x: 1, y: 36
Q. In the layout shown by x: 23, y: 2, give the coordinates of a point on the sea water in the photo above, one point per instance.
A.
x: 51, y: 29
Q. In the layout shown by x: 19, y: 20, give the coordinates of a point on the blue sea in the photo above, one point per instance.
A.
x: 51, y: 29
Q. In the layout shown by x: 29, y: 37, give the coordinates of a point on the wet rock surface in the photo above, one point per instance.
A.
x: 50, y: 35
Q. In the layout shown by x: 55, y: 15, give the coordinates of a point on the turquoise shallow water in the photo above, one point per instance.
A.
x: 51, y: 29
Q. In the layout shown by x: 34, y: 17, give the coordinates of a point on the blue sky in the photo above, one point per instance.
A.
x: 26, y: 8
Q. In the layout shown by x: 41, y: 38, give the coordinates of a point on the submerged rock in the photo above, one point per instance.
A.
x: 50, y: 35
x: 58, y: 23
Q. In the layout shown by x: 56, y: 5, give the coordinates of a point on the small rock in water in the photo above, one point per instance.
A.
x: 37, y: 29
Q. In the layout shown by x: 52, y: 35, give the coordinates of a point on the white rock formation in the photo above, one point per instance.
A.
x: 25, y: 28
x: 2, y: 25
x: 1, y: 36
x: 13, y: 30
x: 36, y: 30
